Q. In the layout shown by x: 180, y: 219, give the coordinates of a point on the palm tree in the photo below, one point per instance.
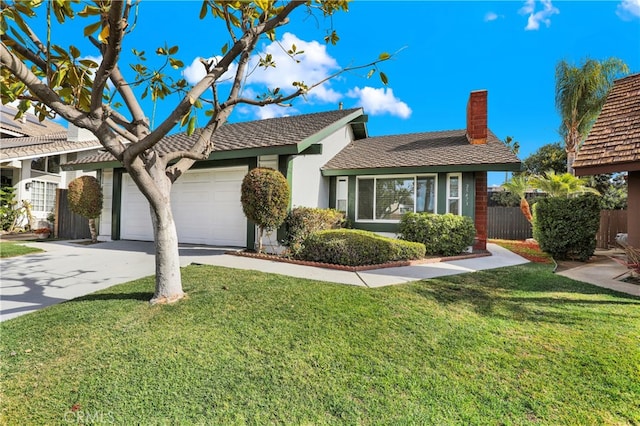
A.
x: 561, y: 185
x: 580, y: 95
x: 519, y: 185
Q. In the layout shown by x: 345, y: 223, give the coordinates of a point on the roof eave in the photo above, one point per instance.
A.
x: 332, y: 128
x: 597, y: 169
x: 497, y: 167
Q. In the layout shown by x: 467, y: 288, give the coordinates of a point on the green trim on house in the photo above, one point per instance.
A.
x: 333, y: 182
x: 116, y: 203
x: 418, y: 170
x: 334, y: 127
x: 468, y: 195
x: 467, y: 200
x: 251, y: 163
x: 315, y: 149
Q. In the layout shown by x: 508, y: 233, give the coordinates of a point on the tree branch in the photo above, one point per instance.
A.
x: 41, y: 91
x: 175, y: 155
x: 27, y: 53
x: 110, y: 56
x: 221, y: 67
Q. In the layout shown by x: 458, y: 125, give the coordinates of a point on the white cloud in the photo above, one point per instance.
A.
x: 490, y: 16
x: 195, y: 72
x: 628, y: 9
x: 314, y: 66
x: 541, y: 16
x: 380, y: 101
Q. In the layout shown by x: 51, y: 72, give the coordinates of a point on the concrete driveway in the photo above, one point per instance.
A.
x: 67, y: 270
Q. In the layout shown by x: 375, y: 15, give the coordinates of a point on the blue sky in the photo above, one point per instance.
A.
x: 447, y: 49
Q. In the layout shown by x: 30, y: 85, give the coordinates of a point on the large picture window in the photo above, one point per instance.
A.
x: 388, y: 198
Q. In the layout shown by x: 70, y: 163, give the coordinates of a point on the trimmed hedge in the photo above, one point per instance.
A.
x: 351, y: 247
x: 442, y: 234
x: 566, y: 228
x: 303, y: 221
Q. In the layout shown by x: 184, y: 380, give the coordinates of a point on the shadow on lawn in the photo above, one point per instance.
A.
x: 142, y: 296
x: 499, y: 294
x: 499, y: 304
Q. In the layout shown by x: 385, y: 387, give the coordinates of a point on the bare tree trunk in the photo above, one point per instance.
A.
x: 92, y: 230
x: 168, y: 279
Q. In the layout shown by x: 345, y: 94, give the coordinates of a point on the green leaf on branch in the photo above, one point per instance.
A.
x: 192, y: 126
x: 384, y: 79
x: 92, y: 28
x: 384, y: 56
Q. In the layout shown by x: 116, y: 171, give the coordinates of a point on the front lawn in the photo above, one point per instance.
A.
x: 515, y: 345
x: 12, y: 249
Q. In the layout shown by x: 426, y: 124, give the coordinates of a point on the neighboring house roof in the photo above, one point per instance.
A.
x: 613, y: 144
x: 277, y: 135
x: 39, y: 146
x: 29, y: 138
x: 439, y: 151
x: 28, y: 125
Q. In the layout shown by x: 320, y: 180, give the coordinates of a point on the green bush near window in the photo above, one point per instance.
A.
x: 351, y: 247
x: 566, y: 227
x: 445, y: 235
x: 303, y: 221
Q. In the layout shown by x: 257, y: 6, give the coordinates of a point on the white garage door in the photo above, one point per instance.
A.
x: 206, y: 207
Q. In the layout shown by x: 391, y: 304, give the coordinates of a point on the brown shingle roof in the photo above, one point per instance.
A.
x: 432, y: 149
x: 613, y: 144
x: 29, y: 125
x: 38, y: 146
x: 268, y: 133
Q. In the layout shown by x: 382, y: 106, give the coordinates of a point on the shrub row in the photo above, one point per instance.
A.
x: 303, y: 221
x: 567, y: 227
x: 445, y: 234
x: 352, y: 247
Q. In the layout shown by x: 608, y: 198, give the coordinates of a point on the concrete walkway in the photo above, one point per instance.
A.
x: 601, y: 273
x: 67, y: 270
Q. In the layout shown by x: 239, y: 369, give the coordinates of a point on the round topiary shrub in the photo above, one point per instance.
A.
x: 442, y: 234
x: 265, y: 199
x: 85, y: 199
x: 353, y: 247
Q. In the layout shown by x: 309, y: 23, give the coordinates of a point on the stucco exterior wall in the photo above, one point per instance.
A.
x: 308, y: 187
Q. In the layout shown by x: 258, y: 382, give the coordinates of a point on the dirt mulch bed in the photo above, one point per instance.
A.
x: 275, y: 258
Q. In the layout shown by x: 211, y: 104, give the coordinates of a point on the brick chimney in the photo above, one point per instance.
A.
x: 477, y: 117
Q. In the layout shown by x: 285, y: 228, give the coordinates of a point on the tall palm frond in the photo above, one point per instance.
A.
x: 561, y: 185
x: 580, y: 95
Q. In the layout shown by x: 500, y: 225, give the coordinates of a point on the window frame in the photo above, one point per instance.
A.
x: 47, y: 164
x: 345, y: 180
x: 459, y: 197
x: 415, y: 178
x: 46, y: 184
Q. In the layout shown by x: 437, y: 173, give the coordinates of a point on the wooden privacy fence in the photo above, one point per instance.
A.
x: 612, y: 222
x: 68, y: 224
x: 507, y: 223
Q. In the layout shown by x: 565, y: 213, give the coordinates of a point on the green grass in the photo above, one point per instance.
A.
x: 516, y: 345
x: 12, y: 249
